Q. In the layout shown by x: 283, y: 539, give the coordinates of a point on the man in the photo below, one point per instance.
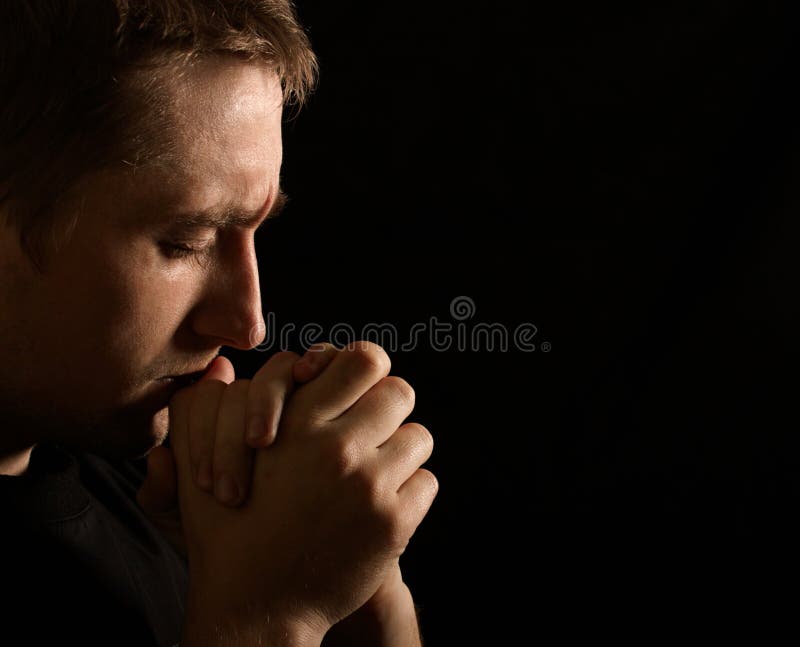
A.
x: 140, y: 148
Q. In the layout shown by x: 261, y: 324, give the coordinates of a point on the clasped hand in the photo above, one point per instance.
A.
x: 297, y: 490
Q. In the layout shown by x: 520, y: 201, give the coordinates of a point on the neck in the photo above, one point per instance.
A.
x: 15, y: 463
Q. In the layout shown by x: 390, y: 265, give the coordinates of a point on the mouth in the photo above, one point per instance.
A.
x: 184, y: 380
x: 187, y: 379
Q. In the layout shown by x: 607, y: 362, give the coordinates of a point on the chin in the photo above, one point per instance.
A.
x: 130, y: 437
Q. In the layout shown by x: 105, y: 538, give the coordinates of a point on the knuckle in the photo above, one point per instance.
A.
x: 344, y: 456
x: 427, y: 490
x: 369, y: 357
x: 399, y: 390
x: 425, y: 436
x: 431, y: 482
x: 419, y: 438
x: 284, y: 356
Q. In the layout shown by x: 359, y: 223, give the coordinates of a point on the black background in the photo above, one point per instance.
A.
x: 620, y: 175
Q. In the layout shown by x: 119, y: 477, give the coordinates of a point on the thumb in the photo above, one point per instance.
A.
x: 220, y: 369
x: 159, y: 491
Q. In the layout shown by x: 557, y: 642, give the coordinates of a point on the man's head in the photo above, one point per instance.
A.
x: 164, y: 111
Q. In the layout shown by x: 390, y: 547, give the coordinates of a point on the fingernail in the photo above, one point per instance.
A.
x: 204, y: 478
x: 257, y: 428
x: 305, y: 362
x: 312, y: 355
x: 272, y: 433
x: 226, y: 490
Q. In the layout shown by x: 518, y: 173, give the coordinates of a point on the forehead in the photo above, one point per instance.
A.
x: 223, y: 121
x: 213, y: 98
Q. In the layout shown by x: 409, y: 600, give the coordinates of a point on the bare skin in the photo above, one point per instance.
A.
x: 118, y: 310
x: 388, y: 617
x: 332, y: 507
x: 115, y: 311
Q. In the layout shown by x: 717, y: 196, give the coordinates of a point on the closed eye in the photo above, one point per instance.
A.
x: 180, y: 250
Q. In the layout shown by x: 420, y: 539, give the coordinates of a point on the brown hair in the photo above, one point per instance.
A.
x: 82, y: 87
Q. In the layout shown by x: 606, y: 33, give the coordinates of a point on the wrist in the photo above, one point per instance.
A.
x: 227, y: 632
x: 388, y: 619
x: 210, y: 624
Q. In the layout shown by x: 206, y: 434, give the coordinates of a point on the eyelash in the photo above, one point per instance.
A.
x: 175, y: 250
x: 181, y: 251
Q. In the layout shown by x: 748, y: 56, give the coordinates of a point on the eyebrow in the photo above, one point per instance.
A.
x: 231, y: 217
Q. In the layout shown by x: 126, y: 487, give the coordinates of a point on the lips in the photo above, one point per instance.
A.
x: 187, y: 379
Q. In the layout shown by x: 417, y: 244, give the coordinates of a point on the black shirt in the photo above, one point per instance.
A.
x: 80, y: 560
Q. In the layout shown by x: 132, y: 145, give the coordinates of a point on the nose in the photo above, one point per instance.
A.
x: 230, y: 311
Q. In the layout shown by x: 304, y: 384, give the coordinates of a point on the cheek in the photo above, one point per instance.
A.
x: 149, y: 308
x: 128, y: 318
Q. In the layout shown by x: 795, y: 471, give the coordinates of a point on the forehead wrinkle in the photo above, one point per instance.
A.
x: 231, y: 215
x: 228, y: 144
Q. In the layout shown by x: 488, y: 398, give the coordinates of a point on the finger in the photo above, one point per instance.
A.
x: 202, y: 429
x: 350, y: 374
x: 272, y: 385
x: 379, y: 412
x: 405, y: 452
x: 159, y: 491
x: 415, y: 498
x: 232, y: 457
x: 269, y: 389
x: 316, y: 358
x: 219, y: 369
x: 203, y: 420
x: 179, y: 408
